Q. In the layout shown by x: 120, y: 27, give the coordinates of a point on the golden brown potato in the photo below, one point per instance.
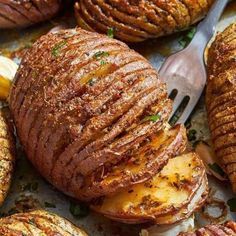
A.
x: 36, y: 223
x: 82, y: 101
x: 220, y: 99
x: 135, y: 21
x: 170, y: 196
x: 7, y: 153
x: 22, y: 13
x: 226, y: 229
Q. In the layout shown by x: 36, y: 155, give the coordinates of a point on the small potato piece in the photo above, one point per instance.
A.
x: 36, y: 223
x: 7, y: 154
x: 172, y: 195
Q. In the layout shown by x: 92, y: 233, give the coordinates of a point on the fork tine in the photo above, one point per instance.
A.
x: 177, y: 101
x: 188, y: 110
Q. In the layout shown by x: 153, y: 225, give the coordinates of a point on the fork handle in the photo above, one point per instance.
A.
x: 206, y: 28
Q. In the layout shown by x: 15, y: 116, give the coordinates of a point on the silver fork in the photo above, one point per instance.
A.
x: 184, y: 72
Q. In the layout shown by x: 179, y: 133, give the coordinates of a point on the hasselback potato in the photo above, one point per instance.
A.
x: 220, y: 99
x: 38, y: 222
x: 137, y: 20
x: 79, y: 103
x: 91, y: 115
x: 7, y: 153
x: 226, y: 229
x: 22, y: 13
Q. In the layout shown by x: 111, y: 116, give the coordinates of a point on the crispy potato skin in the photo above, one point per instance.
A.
x: 82, y: 102
x: 226, y: 229
x: 38, y: 222
x: 135, y: 21
x: 22, y: 13
x: 220, y: 99
x: 7, y: 153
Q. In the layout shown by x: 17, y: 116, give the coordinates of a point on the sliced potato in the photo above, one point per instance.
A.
x: 172, y: 195
x: 36, y: 223
x: 7, y: 154
x: 144, y: 164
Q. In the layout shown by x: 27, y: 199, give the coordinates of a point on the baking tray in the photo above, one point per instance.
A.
x: 30, y: 191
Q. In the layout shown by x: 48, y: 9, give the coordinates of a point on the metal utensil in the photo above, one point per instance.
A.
x: 184, y: 72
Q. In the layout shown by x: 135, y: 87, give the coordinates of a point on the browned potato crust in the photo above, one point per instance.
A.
x: 36, y: 223
x: 7, y: 153
x: 221, y: 98
x: 226, y: 229
x: 135, y: 21
x: 22, y: 13
x: 82, y: 101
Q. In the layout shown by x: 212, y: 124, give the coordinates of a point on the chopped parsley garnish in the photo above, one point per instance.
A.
x: 153, y: 118
x: 102, y: 62
x: 92, y: 81
x: 110, y: 32
x: 232, y: 204
x: 78, y: 210
x: 186, y: 39
x: 192, y: 135
x: 216, y: 168
x: 100, y: 54
x: 49, y: 205
x: 56, y: 49
x: 31, y: 221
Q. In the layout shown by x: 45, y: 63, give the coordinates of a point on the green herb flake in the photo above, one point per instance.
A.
x: 216, y: 168
x: 110, y: 32
x: 49, y: 205
x: 186, y: 39
x: 100, y: 54
x: 92, y: 81
x: 232, y: 204
x: 102, y: 62
x: 78, y: 210
x: 56, y: 49
x: 192, y: 135
x: 153, y: 118
x: 31, y: 221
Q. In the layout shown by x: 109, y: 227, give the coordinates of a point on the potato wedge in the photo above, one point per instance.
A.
x: 172, y: 195
x: 7, y: 153
x: 36, y: 223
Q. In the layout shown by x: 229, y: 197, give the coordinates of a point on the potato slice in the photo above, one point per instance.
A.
x: 141, y: 166
x: 172, y: 195
x: 36, y: 223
